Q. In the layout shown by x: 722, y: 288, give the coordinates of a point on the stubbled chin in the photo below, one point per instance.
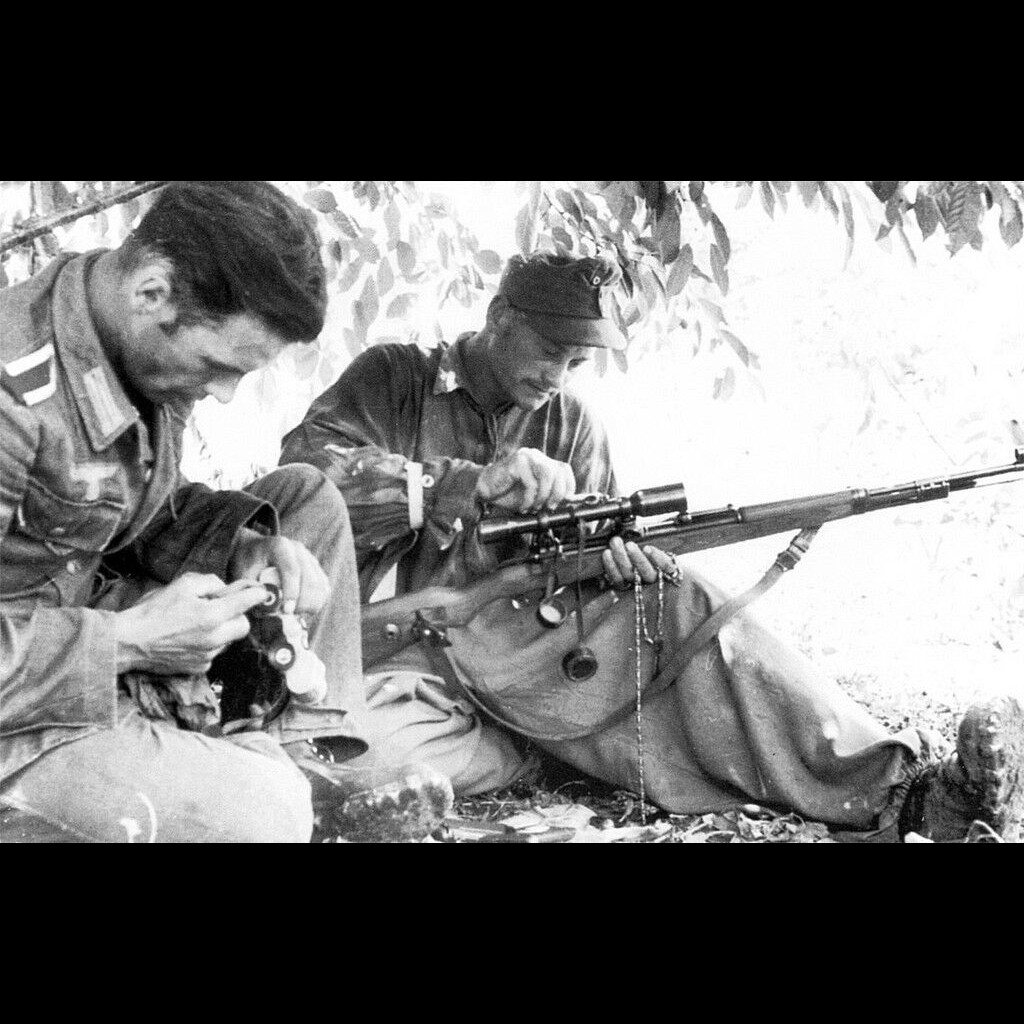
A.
x: 533, y: 401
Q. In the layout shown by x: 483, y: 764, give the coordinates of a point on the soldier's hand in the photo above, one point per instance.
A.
x: 526, y: 481
x: 304, y: 585
x: 622, y: 560
x: 179, y: 629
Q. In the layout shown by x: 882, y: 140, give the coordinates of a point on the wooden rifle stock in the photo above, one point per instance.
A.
x: 390, y: 626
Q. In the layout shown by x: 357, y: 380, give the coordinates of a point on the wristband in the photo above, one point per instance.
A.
x: 414, y: 475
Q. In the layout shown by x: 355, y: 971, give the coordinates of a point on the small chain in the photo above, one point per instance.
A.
x: 642, y: 635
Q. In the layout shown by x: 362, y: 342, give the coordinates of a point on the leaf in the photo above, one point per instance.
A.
x: 359, y: 322
x: 385, y: 278
x: 322, y: 200
x: 848, y: 221
x: 406, y: 256
x: 714, y: 311
x: 367, y: 248
x: 808, y: 192
x: 826, y: 194
x: 568, y: 204
x: 869, y: 414
x: 444, y: 248
x: 563, y: 241
x: 631, y: 314
x: 488, y: 261
x: 307, y: 360
x: 721, y: 236
x: 737, y: 346
x: 400, y: 305
x: 1010, y: 221
x: 393, y: 221
x: 626, y: 209
x: 620, y: 360
x: 718, y: 270
x: 352, y: 342
x: 668, y: 235
x: 768, y: 198
x: 526, y: 231
x: 680, y: 273
x: 724, y: 385
x: 927, y: 214
x: 884, y: 190
x: 369, y: 301
x: 695, y: 190
x: 346, y: 225
x: 349, y: 275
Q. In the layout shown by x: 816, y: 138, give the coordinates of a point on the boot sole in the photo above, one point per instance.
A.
x: 397, y: 812
x: 991, y: 748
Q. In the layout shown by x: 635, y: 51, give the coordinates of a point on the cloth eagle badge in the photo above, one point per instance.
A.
x: 31, y: 379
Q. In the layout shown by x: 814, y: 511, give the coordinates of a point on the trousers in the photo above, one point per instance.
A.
x: 748, y: 720
x: 147, y: 780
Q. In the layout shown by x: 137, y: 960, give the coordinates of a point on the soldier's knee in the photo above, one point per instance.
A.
x: 301, y: 490
x: 300, y: 479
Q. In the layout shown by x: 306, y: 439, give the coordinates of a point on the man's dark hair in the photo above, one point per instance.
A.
x: 236, y: 247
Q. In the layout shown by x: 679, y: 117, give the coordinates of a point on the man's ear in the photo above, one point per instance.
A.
x: 150, y: 290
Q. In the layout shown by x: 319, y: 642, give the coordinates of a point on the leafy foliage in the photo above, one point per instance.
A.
x: 397, y: 256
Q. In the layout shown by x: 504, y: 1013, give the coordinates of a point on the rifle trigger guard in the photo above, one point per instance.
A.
x: 427, y: 633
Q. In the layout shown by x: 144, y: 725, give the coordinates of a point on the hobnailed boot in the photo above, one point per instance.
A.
x: 983, y: 781
x: 372, y: 805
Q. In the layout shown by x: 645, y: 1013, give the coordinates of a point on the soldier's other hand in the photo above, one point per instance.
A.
x: 622, y: 560
x: 526, y: 481
x: 179, y: 629
x: 304, y: 585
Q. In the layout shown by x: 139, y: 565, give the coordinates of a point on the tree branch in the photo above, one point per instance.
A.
x: 46, y: 224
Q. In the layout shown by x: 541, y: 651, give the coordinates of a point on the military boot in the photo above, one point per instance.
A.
x: 982, y: 782
x: 372, y: 804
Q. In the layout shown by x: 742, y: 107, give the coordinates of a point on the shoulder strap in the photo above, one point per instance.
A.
x: 670, y: 671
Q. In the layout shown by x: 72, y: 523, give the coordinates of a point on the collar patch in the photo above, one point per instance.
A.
x: 101, y: 398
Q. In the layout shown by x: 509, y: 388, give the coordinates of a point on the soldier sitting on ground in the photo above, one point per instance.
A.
x: 122, y: 583
x: 420, y: 442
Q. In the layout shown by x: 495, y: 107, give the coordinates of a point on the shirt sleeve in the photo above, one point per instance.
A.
x: 590, y: 454
x: 362, y: 433
x: 196, y: 529
x: 58, y: 666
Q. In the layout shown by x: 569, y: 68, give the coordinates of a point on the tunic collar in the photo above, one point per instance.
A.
x: 106, y: 410
x: 452, y: 375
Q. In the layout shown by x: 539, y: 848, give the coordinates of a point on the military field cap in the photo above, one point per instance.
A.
x: 565, y: 299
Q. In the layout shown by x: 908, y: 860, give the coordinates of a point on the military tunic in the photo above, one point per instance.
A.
x: 88, y: 477
x: 749, y: 720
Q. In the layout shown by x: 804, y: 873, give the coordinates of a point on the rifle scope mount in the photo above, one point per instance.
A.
x: 654, y: 501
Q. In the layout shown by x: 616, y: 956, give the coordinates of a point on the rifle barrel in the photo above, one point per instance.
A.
x: 714, y: 527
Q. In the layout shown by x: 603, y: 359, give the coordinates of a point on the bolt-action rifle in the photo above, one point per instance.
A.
x: 565, y: 546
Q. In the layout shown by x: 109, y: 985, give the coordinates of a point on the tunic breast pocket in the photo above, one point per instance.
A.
x: 63, y: 524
